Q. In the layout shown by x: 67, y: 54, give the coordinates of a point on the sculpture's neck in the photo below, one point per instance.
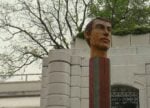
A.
x: 98, y: 53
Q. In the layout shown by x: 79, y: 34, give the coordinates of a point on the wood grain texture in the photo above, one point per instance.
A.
x: 99, y: 84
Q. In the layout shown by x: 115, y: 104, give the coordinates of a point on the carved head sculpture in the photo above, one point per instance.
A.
x: 98, y: 36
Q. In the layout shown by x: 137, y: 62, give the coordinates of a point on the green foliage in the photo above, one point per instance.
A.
x: 125, y: 15
x: 136, y: 31
x: 80, y: 35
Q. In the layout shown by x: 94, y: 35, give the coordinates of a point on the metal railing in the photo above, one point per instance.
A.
x: 20, y: 77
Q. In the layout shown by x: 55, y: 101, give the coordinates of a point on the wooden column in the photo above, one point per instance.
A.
x: 99, y: 83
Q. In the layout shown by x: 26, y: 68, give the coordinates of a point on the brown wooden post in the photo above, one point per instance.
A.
x: 99, y: 82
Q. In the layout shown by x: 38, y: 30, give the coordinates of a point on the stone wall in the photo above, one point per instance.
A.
x: 66, y: 79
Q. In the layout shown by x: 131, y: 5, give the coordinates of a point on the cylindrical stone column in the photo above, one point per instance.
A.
x: 99, y: 83
x: 44, y: 85
x: 59, y: 80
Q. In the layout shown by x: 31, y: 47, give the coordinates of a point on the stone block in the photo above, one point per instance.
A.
x: 75, y: 81
x: 45, y: 62
x: 58, y: 88
x: 140, y: 68
x: 44, y: 81
x: 148, y: 80
x: 58, y: 100
x: 44, y: 92
x: 75, y: 92
x: 59, y: 77
x: 147, y: 68
x: 119, y: 60
x: 122, y: 51
x: 137, y: 40
x: 75, y: 70
x: 75, y: 60
x: 148, y: 102
x: 145, y: 49
x: 82, y: 52
x: 122, y: 75
x: 56, y: 107
x: 59, y: 55
x: 85, y: 93
x: 75, y: 103
x: 121, y: 41
x: 84, y: 103
x: 85, y: 62
x: 44, y: 71
x: 84, y: 81
x: 139, y: 81
x: 148, y: 90
x: 85, y: 71
x: 59, y: 67
x: 43, y: 103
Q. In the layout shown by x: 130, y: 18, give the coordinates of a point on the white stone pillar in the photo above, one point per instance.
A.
x: 75, y: 82
x: 85, y: 83
x: 59, y: 80
x: 44, y: 85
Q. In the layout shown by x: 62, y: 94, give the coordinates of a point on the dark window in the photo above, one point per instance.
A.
x: 124, y: 97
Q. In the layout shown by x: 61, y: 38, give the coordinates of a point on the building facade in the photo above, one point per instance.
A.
x: 66, y: 74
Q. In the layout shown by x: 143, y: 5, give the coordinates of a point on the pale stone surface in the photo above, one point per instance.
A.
x: 57, y: 107
x: 75, y: 92
x: 84, y: 103
x: 140, y: 68
x: 75, y: 60
x: 59, y: 67
x: 85, y: 52
x: 59, y: 55
x: 143, y: 98
x: 85, y: 93
x: 140, y: 40
x: 85, y: 62
x: 121, y: 75
x: 148, y: 90
x: 44, y: 92
x: 119, y: 51
x: 85, y: 71
x: 145, y: 49
x: 44, y: 77
x: 75, y: 81
x: 139, y: 81
x: 75, y: 70
x: 148, y: 80
x: 59, y: 77
x: 43, y: 103
x: 129, y: 66
x: 84, y: 81
x: 80, y: 43
x: 58, y: 100
x: 75, y: 103
x: 20, y: 86
x: 148, y: 102
x: 147, y: 68
x: 121, y: 41
x: 45, y: 62
x: 58, y: 88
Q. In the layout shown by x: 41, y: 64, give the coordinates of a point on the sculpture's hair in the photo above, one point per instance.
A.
x: 88, y: 27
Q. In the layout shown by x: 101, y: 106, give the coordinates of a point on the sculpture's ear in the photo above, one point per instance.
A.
x: 86, y: 35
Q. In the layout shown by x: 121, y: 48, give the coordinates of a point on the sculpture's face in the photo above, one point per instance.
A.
x: 100, y: 35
